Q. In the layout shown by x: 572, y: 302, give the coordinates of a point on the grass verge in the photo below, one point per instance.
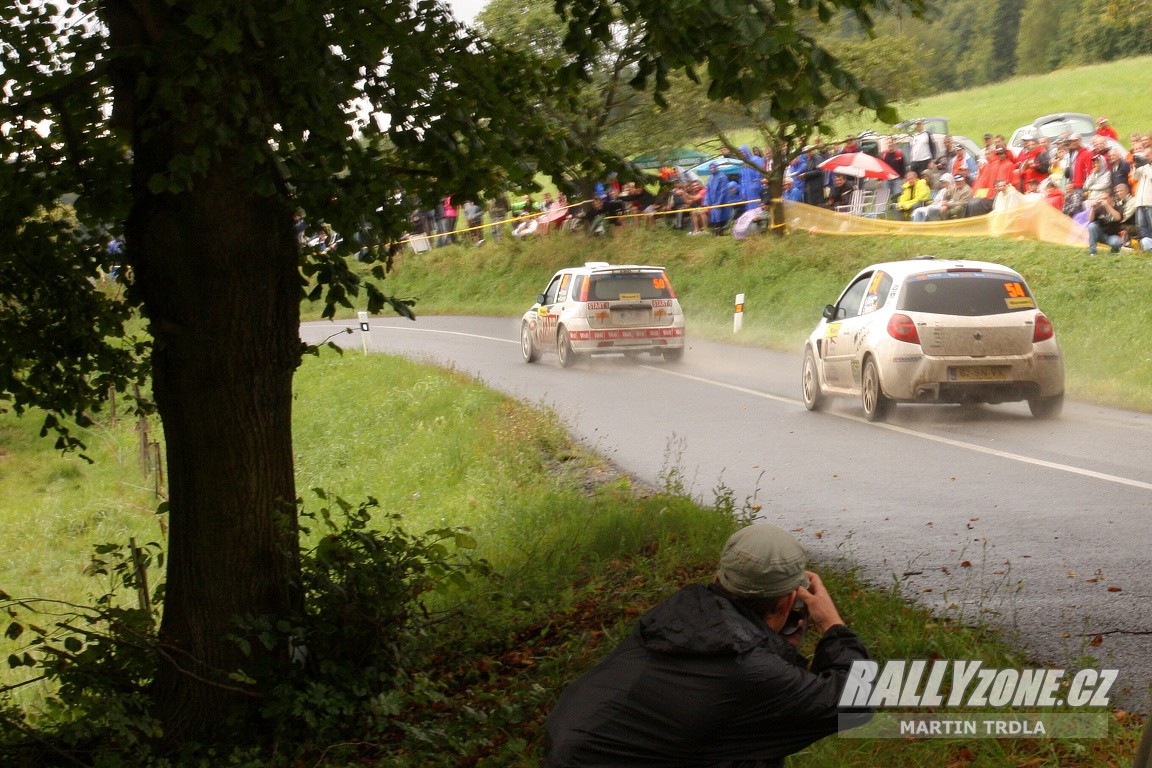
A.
x: 580, y: 552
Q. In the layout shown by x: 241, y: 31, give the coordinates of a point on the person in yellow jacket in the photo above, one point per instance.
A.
x: 913, y: 194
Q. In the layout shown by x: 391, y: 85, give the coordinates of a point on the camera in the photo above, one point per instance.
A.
x: 797, y: 618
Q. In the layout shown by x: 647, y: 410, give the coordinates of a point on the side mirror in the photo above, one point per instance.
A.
x: 539, y: 298
x: 829, y: 312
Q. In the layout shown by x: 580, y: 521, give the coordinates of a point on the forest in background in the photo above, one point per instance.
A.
x: 968, y: 43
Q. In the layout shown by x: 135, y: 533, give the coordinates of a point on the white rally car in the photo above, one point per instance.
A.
x: 601, y: 308
x: 935, y: 331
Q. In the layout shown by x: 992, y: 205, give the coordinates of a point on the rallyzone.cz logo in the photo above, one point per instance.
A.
x: 920, y: 683
x: 978, y: 692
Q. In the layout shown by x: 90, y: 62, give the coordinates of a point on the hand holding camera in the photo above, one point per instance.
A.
x: 822, y: 613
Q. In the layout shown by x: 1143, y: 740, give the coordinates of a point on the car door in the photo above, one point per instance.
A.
x: 846, y: 329
x: 548, y: 313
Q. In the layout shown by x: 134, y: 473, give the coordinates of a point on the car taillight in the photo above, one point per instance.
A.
x: 901, y: 328
x: 1042, y: 330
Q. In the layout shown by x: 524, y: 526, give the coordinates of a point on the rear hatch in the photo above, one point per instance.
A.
x: 970, y: 313
x: 630, y: 299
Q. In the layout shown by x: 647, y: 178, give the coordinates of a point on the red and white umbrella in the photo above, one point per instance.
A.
x: 860, y: 165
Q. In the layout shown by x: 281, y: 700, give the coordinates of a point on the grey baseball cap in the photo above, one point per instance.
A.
x: 762, y: 560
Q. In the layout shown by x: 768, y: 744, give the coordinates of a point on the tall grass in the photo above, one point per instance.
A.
x: 54, y: 507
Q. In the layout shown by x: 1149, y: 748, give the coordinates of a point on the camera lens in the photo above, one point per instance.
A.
x: 797, y: 618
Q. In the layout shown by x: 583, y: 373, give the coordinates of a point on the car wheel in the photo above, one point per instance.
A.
x: 876, y: 405
x: 674, y: 355
x: 813, y: 397
x: 528, y: 344
x: 1046, y: 407
x: 564, y: 349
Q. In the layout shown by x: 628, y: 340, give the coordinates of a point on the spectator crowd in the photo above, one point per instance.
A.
x: 1093, y: 179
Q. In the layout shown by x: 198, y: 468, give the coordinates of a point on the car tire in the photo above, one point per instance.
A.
x: 876, y: 405
x: 564, y: 351
x: 528, y: 344
x: 674, y: 355
x: 813, y: 397
x: 1046, y: 407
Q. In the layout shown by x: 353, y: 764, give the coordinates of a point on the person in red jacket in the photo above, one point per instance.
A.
x: 1080, y: 158
x: 1104, y: 128
x: 1053, y: 195
x: 1000, y: 167
x: 1078, y: 166
x: 1033, y: 163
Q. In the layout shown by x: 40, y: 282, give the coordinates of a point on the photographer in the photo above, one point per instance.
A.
x: 1106, y: 221
x: 712, y: 676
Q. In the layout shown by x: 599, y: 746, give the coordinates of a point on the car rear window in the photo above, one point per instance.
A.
x: 969, y: 294
x: 617, y: 286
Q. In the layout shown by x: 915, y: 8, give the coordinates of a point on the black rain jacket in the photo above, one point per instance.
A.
x: 702, y: 683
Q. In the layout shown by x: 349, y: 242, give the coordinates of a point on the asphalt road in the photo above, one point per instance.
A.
x: 1039, y: 528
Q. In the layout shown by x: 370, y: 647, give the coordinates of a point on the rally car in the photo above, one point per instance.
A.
x: 604, y: 308
x: 935, y: 331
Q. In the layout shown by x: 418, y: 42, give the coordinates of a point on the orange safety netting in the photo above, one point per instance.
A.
x: 1036, y: 220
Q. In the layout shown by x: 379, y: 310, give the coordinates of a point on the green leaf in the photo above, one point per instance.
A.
x: 200, y: 25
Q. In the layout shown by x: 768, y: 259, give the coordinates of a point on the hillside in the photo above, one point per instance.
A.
x: 1097, y: 89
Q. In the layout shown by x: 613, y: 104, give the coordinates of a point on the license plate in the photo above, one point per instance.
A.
x: 630, y: 315
x: 979, y: 373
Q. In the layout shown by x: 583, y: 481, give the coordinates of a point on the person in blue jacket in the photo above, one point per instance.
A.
x: 717, y: 195
x: 751, y: 179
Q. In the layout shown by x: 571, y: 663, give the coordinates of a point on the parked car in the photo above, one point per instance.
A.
x: 603, y: 308
x: 1055, y: 125
x: 929, y: 330
x: 1052, y: 126
x: 872, y: 142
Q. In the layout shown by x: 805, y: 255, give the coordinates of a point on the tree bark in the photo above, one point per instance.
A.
x: 217, y: 269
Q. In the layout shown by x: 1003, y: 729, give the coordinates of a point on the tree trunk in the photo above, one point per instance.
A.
x: 217, y: 269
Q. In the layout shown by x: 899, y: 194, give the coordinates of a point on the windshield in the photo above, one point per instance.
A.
x: 618, y: 286
x: 969, y: 294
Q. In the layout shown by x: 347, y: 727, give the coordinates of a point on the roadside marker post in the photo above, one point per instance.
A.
x: 738, y: 318
x: 363, y: 330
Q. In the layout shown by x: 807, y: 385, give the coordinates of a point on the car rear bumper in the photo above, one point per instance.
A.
x: 926, y: 379
x: 609, y: 339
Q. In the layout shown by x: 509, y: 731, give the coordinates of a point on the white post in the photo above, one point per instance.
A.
x: 738, y: 318
x: 363, y: 330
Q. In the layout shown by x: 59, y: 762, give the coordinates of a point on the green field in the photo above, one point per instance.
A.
x: 1098, y: 89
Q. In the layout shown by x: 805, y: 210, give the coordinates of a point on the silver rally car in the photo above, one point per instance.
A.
x: 603, y: 308
x: 935, y: 331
